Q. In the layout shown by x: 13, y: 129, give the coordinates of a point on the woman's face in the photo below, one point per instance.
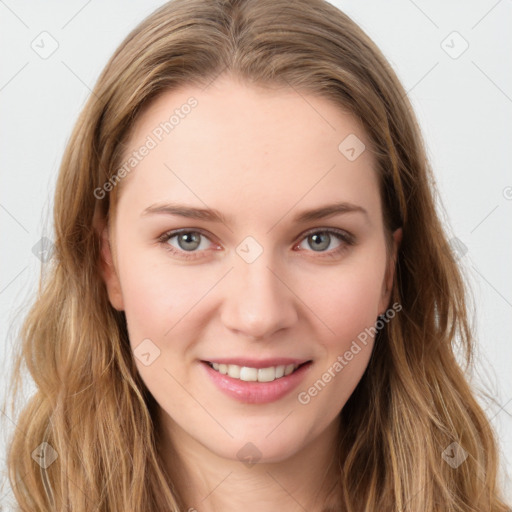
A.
x: 254, y: 283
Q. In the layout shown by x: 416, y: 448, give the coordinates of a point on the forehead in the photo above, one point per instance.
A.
x: 235, y: 143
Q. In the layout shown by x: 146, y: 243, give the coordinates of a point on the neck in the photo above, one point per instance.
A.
x: 207, y: 482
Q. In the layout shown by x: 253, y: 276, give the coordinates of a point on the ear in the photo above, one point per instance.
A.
x: 108, y: 271
x: 387, y: 286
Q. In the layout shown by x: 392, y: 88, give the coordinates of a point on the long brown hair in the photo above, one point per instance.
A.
x: 91, y: 407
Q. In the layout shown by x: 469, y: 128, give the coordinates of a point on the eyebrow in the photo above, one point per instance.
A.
x: 213, y: 215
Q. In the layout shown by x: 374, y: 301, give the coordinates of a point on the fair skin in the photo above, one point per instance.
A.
x: 259, y: 157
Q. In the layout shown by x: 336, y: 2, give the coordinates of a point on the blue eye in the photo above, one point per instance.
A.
x: 189, y: 242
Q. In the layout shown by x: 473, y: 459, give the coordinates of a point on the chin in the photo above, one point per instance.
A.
x: 251, y: 449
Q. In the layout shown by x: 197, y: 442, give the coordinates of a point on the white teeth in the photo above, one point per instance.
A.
x: 289, y: 369
x: 266, y: 374
x: 248, y: 374
x: 234, y: 371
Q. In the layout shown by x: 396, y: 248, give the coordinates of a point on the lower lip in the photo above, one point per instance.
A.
x: 257, y: 392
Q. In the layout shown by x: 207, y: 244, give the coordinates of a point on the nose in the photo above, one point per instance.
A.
x: 258, y: 301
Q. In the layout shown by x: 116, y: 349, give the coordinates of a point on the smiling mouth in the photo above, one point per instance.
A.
x: 249, y: 374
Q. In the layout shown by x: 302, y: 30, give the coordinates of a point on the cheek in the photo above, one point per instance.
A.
x: 349, y: 307
x: 155, y: 294
x: 159, y: 308
x: 346, y: 300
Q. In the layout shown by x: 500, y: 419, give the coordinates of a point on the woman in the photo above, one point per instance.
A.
x: 252, y: 301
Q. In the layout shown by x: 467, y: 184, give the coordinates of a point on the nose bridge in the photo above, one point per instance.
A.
x: 257, y: 302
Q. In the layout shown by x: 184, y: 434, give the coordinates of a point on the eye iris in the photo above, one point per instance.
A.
x: 189, y: 238
x: 318, y: 243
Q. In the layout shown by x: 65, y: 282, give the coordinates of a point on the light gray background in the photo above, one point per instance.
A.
x: 464, y: 105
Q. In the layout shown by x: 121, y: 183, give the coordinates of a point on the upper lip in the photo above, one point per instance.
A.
x: 257, y: 363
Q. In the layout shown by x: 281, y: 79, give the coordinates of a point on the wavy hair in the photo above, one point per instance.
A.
x: 90, y: 405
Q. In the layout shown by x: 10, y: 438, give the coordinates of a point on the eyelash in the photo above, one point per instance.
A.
x: 343, y: 236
